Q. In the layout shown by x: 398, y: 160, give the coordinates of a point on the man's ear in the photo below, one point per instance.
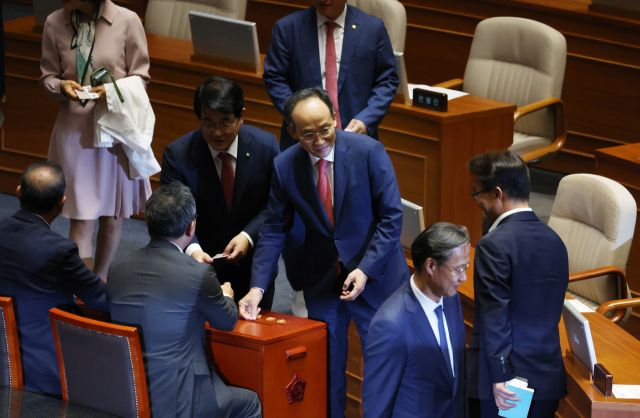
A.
x: 292, y: 132
x: 191, y: 229
x: 430, y: 266
x: 19, y: 193
x: 61, y: 203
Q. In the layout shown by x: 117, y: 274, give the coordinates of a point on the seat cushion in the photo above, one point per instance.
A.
x: 523, y: 143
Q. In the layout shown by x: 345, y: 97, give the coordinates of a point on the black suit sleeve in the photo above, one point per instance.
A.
x: 492, y: 277
x: 2, y: 87
x: 78, y: 279
x: 253, y: 227
x: 219, y: 310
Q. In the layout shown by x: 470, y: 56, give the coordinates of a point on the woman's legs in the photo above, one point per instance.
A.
x: 81, y: 231
x: 109, y: 233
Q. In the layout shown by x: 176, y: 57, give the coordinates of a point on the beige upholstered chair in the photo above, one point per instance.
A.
x: 171, y: 17
x: 392, y: 14
x: 521, y: 61
x: 595, y: 217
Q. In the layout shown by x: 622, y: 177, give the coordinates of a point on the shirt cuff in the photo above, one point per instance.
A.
x: 248, y: 237
x: 192, y: 249
x: 227, y: 295
x: 262, y: 290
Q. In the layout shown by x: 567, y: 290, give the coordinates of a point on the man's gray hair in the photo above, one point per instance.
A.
x: 170, y: 210
x: 438, y: 243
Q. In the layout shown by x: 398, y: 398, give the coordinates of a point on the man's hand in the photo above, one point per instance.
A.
x: 359, y: 280
x: 102, y: 94
x: 68, y: 88
x: 237, y: 248
x: 201, y: 257
x: 356, y: 126
x: 502, y: 394
x: 226, y: 288
x: 249, y: 304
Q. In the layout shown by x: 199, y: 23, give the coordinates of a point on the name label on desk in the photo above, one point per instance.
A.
x: 430, y: 100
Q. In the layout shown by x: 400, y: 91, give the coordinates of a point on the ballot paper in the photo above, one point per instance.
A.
x: 581, y: 307
x: 626, y: 391
x: 451, y: 94
x: 215, y: 257
x: 84, y: 94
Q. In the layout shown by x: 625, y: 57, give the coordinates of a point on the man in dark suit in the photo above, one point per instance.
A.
x: 521, y: 273
x: 356, y: 65
x: 228, y: 167
x: 169, y: 296
x: 40, y: 270
x: 414, y: 363
x: 343, y: 187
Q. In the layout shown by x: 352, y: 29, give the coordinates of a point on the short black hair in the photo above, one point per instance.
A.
x: 301, y: 96
x: 170, y: 210
x: 41, y: 195
x: 221, y: 94
x: 438, y: 243
x: 505, y: 170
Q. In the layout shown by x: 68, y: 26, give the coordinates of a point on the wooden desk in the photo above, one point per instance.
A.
x: 265, y: 357
x: 616, y: 349
x: 429, y: 150
x: 622, y: 164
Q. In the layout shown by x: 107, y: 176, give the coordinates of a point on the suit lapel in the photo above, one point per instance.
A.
x: 422, y: 327
x: 308, y: 189
x: 246, y: 153
x: 308, y: 32
x: 201, y: 155
x: 342, y: 161
x: 349, y: 44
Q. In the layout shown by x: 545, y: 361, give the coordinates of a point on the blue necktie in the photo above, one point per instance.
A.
x: 443, y: 339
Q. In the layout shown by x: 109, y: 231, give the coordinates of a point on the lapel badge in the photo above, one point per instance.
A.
x: 247, y: 155
x: 353, y: 26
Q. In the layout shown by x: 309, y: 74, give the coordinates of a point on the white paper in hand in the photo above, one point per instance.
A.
x: 215, y: 257
x: 84, y: 94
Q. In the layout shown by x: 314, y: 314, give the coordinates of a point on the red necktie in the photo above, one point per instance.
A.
x: 227, y: 178
x: 331, y: 70
x: 324, y: 190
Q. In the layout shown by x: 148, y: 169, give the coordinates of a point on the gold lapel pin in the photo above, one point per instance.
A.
x: 353, y: 27
x: 247, y: 155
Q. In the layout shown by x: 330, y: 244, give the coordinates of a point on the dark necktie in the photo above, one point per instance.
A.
x: 331, y: 70
x: 227, y: 178
x: 443, y: 340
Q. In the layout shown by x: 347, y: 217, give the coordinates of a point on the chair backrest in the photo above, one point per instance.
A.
x: 595, y: 217
x: 10, y: 363
x: 101, y: 365
x: 393, y: 15
x: 518, y: 61
x: 171, y: 17
x: 412, y: 223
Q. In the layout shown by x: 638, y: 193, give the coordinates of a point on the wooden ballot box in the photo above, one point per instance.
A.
x: 281, y: 357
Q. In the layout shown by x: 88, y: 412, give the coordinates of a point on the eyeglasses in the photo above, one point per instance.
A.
x: 459, y: 270
x: 475, y: 194
x: 225, y: 128
x: 324, y: 134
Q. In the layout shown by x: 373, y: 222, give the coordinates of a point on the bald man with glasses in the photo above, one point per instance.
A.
x: 228, y: 166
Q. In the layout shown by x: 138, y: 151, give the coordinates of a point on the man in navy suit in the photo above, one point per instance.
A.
x: 359, y: 72
x: 343, y: 187
x: 521, y: 273
x: 40, y: 270
x: 414, y: 363
x: 168, y: 296
x: 228, y: 167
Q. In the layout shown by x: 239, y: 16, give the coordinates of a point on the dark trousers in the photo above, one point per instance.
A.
x: 486, y: 408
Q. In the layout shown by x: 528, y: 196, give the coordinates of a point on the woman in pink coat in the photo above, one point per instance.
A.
x: 80, y: 38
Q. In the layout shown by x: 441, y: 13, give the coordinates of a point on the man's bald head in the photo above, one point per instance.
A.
x: 42, y: 187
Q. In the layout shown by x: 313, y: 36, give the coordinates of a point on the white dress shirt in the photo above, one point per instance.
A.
x: 504, y: 215
x: 429, y: 308
x: 233, y: 152
x: 338, y: 37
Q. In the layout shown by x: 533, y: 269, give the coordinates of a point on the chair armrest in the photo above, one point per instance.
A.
x: 561, y: 127
x: 620, y: 306
x: 622, y: 290
x: 455, y: 84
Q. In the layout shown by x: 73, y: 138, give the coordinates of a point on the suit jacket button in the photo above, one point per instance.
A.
x: 337, y: 240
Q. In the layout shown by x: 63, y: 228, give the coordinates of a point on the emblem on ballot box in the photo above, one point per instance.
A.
x: 295, y: 389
